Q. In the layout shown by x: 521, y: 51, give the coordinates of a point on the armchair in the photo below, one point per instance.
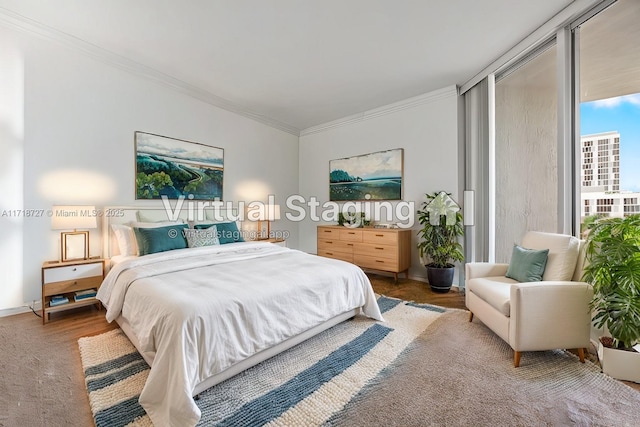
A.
x: 545, y: 315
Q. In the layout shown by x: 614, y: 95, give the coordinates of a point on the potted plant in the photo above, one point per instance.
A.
x: 613, y: 268
x: 442, y: 226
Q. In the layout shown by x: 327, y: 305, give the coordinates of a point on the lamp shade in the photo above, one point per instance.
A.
x: 73, y: 217
x: 263, y: 212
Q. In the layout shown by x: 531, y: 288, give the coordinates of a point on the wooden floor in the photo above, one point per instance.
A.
x: 413, y: 290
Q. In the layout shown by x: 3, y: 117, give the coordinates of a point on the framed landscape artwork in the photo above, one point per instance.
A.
x: 173, y: 168
x: 374, y: 176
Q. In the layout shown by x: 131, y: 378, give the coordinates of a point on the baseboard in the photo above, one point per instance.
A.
x: 26, y: 308
x: 13, y: 311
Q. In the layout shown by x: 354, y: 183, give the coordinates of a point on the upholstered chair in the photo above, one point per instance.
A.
x: 552, y: 313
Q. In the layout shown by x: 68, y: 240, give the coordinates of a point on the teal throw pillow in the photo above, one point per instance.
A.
x: 227, y: 231
x: 527, y: 265
x: 160, y: 239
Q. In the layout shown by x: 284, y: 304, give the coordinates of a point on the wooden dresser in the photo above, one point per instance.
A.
x: 380, y: 249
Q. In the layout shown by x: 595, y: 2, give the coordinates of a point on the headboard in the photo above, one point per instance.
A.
x: 127, y: 214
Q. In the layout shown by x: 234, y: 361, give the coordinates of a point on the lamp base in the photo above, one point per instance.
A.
x: 74, y: 245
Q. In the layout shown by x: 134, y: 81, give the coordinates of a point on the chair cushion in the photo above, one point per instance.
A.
x: 563, y: 253
x: 527, y: 265
x: 495, y: 291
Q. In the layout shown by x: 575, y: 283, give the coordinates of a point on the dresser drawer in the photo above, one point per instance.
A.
x: 379, y: 251
x: 376, y: 263
x: 72, y: 272
x: 380, y: 237
x: 328, y: 233
x: 335, y: 245
x: 336, y: 255
x: 350, y: 235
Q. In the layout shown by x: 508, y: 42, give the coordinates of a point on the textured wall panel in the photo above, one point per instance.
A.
x: 526, y: 153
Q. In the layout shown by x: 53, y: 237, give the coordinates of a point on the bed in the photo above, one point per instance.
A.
x: 201, y: 315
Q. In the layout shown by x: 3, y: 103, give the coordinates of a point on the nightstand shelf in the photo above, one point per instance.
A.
x: 72, y: 304
x: 66, y: 278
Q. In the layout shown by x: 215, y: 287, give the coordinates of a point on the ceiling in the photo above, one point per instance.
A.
x: 609, y: 52
x: 300, y: 63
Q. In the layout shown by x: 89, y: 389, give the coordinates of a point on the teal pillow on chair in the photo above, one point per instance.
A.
x: 160, y: 239
x: 527, y: 265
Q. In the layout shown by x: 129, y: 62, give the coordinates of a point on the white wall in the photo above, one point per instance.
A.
x: 11, y: 171
x: 80, y: 115
x: 427, y: 129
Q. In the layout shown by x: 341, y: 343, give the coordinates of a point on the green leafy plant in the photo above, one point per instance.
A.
x: 149, y: 185
x: 613, y: 268
x: 440, y: 242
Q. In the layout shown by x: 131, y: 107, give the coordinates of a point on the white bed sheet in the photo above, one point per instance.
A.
x: 202, y: 310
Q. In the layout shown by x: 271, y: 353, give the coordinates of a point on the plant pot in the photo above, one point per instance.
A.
x: 620, y: 364
x: 440, y: 279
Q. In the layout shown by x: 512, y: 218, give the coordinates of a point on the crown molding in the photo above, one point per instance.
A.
x: 449, y: 91
x: 29, y: 26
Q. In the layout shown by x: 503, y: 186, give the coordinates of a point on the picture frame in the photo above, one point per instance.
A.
x: 174, y: 167
x: 372, y: 176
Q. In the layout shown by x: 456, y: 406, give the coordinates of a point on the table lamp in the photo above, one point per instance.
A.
x: 266, y: 213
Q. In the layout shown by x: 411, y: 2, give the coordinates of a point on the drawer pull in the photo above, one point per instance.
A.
x: 381, y: 262
x: 380, y: 249
x: 329, y: 242
x: 349, y: 244
x: 352, y: 232
x: 379, y: 235
x: 327, y: 231
x: 329, y: 253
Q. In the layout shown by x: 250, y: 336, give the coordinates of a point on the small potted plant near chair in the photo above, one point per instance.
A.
x: 613, y: 268
x: 442, y: 227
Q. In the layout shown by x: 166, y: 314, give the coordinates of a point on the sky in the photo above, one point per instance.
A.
x: 620, y: 114
x: 382, y: 164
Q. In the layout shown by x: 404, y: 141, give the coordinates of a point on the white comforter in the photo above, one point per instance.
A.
x: 202, y: 310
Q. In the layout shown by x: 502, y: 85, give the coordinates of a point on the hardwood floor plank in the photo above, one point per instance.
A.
x: 413, y: 290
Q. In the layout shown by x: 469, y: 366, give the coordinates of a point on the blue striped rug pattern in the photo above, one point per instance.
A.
x: 306, y: 385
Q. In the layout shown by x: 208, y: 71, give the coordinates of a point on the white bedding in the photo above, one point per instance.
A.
x: 199, y: 311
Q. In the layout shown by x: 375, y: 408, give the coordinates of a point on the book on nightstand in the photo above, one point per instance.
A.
x: 58, y: 300
x: 85, y: 294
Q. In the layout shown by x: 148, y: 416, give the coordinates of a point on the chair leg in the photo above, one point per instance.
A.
x: 516, y: 358
x: 581, y: 354
x: 471, y: 316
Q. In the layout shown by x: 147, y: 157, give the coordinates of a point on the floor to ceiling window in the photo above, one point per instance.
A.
x: 526, y: 178
x: 556, y: 141
x: 609, y: 58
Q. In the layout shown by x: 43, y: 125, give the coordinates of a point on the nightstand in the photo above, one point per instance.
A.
x: 279, y: 242
x: 67, y: 278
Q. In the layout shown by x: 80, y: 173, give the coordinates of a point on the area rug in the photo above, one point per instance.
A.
x: 309, y: 384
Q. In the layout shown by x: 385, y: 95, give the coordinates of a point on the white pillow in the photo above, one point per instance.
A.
x: 563, y: 253
x: 126, y: 237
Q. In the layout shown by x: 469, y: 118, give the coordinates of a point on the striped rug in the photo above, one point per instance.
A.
x: 309, y: 384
